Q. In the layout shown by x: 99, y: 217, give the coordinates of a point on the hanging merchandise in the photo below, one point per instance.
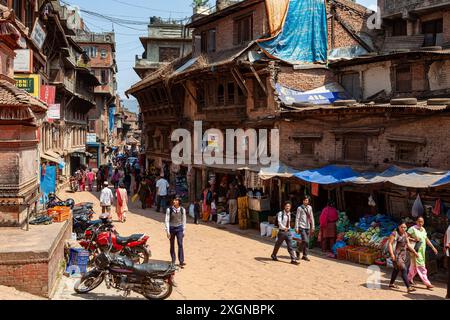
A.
x: 372, y: 202
x: 437, y: 207
x: 417, y: 209
x: 315, y: 189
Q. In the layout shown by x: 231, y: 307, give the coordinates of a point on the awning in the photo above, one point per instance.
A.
x: 409, y: 178
x: 52, y: 156
x: 232, y: 167
x: 281, y: 170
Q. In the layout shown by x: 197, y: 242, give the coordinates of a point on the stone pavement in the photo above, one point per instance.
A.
x: 224, y: 262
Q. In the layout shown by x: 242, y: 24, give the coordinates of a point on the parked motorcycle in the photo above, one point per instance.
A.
x: 81, y: 221
x: 98, y: 237
x: 155, y: 281
x: 55, y: 201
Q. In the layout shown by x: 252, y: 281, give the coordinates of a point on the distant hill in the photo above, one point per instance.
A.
x: 131, y: 104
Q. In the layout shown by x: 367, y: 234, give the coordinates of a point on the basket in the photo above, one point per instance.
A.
x: 368, y: 258
x: 78, y: 261
x: 353, y: 254
x: 59, y: 214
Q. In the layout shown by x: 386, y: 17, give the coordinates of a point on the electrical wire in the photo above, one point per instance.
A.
x: 147, y: 8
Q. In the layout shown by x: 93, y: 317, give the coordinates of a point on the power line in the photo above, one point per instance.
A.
x: 147, y: 8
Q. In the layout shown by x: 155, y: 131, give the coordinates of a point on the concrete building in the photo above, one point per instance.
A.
x: 167, y: 40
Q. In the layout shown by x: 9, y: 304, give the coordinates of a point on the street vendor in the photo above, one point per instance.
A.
x: 328, y: 219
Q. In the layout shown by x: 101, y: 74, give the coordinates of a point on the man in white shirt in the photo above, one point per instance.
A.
x: 162, y: 187
x: 106, y: 199
x: 304, y: 225
x: 447, y: 253
x: 284, y: 224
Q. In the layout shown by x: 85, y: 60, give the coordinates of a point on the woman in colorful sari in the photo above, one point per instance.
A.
x: 207, y: 200
x: 418, y: 234
x: 122, y: 202
x: 328, y: 219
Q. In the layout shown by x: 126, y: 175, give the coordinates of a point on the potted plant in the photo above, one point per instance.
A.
x: 200, y: 6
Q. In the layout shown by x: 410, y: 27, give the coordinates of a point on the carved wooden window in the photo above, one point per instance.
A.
x: 307, y: 147
x: 355, y: 148
x: 406, y: 152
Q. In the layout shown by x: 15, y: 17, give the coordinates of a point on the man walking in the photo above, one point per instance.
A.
x: 106, y: 199
x: 284, y: 222
x: 162, y: 187
x: 232, y: 196
x: 175, y: 223
x: 304, y: 225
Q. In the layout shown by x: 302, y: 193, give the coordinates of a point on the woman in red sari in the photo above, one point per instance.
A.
x: 122, y: 202
x: 328, y: 219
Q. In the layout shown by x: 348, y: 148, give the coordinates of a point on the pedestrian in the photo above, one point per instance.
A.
x: 328, y: 219
x: 284, y: 223
x: 106, y: 199
x: 207, y: 201
x: 419, y: 235
x: 447, y: 254
x: 232, y: 196
x: 122, y: 202
x: 176, y: 228
x: 304, y: 225
x: 83, y: 180
x: 127, y: 181
x: 90, y: 179
x: 115, y: 178
x: 197, y: 210
x: 162, y: 186
x: 143, y: 191
x: 399, y: 246
x: 133, y: 185
x: 100, y: 179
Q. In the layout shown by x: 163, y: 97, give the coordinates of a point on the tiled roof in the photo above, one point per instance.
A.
x: 11, y: 96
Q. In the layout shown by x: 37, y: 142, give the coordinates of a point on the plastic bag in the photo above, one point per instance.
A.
x: 191, y: 210
x: 263, y: 228
x: 372, y: 202
x: 437, y: 207
x: 417, y: 209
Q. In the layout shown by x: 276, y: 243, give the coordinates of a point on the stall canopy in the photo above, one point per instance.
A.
x: 281, y: 170
x: 410, y: 178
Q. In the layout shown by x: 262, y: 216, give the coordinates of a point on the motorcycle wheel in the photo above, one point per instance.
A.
x: 138, y: 255
x: 163, y: 291
x: 87, y: 283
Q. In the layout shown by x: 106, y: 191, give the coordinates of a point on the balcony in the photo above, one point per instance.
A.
x: 58, y: 78
x: 400, y: 7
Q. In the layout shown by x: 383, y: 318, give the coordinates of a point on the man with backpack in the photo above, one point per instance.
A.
x: 176, y: 227
x: 284, y: 223
x: 304, y: 225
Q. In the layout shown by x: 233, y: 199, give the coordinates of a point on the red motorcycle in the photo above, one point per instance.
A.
x: 98, y: 238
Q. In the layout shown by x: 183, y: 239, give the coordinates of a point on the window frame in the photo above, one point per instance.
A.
x: 350, y: 141
x: 239, y: 35
x: 398, y: 86
x: 409, y: 158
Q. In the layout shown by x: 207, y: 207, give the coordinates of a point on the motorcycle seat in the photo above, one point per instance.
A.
x: 152, y: 268
x: 124, y: 240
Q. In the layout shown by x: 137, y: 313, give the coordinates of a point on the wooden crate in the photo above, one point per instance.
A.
x: 368, y: 258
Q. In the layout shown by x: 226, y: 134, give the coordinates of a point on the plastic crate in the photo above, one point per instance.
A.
x: 59, y: 214
x: 78, y: 261
x: 342, y: 253
x: 353, y: 254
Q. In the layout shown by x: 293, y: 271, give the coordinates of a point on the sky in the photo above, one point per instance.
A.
x: 128, y: 44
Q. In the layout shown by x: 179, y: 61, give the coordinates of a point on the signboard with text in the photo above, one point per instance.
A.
x: 38, y: 35
x: 29, y: 83
x: 54, y: 111
x: 48, y: 94
x: 91, y: 138
x: 23, y: 61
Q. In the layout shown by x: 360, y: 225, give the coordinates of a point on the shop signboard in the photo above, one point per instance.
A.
x: 29, y: 83
x: 48, y: 94
x: 91, y: 138
x: 54, y: 111
x: 38, y: 35
x: 23, y: 61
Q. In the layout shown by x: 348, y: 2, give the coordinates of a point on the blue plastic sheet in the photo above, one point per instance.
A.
x: 324, y: 95
x: 48, y: 181
x: 304, y: 37
x: 112, y: 111
x: 332, y: 174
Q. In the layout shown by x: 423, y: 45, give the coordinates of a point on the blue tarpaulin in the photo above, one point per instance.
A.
x: 304, y: 37
x: 48, y: 181
x: 112, y: 111
x: 410, y: 178
x: 324, y: 95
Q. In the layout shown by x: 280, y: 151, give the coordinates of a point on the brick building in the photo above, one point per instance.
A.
x: 227, y: 82
x: 101, y: 50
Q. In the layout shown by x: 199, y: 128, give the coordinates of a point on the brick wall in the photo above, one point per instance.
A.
x: 381, y: 151
x: 305, y: 79
x: 36, y: 273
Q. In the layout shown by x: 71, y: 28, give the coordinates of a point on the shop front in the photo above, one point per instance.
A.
x: 94, y: 154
